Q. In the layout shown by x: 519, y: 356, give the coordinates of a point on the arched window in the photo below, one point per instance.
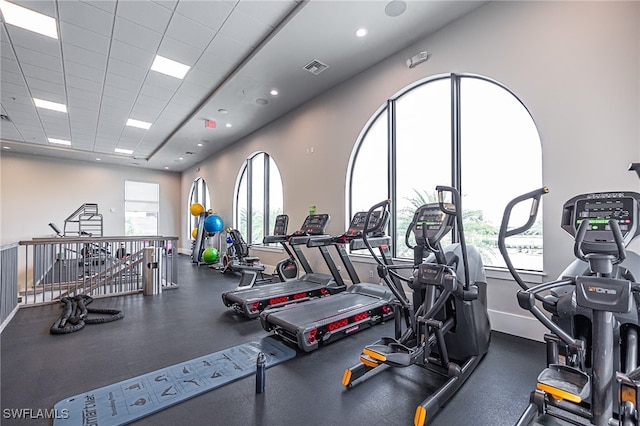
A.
x: 464, y: 131
x: 258, y: 197
x: 199, y: 194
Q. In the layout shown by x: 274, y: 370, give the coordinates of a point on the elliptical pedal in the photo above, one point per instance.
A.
x: 565, y: 382
x: 392, y: 353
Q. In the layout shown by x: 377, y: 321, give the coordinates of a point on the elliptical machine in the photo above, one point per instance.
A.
x: 446, y: 329
x: 592, y: 351
x: 287, y: 268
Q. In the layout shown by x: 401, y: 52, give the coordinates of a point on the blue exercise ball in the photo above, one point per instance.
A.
x: 213, y: 223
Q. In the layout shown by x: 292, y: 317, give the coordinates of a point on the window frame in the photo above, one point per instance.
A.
x: 199, y: 188
x: 133, y: 200
x: 389, y: 110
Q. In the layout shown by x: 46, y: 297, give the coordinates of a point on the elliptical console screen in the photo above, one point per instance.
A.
x: 598, y: 209
x: 436, y: 222
x: 315, y: 224
x: 376, y: 224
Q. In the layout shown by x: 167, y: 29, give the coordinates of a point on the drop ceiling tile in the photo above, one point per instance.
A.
x: 37, y: 85
x: 157, y: 92
x: 185, y: 100
x: 78, y: 97
x: 84, y: 71
x: 6, y: 52
x: 16, y: 109
x: 34, y: 41
x: 131, y: 54
x: 106, y: 5
x: 117, y: 102
x: 209, y: 13
x: 22, y: 116
x: 244, y: 28
x: 116, y: 92
x: 123, y: 82
x: 41, y: 73
x: 206, y: 78
x: 45, y: 7
x: 228, y: 49
x: 81, y: 37
x: 15, y: 90
x: 193, y: 90
x: 87, y: 16
x: 125, y: 69
x: 163, y: 81
x: 146, y: 100
x: 169, y: 4
x: 150, y: 112
x: 269, y: 13
x: 11, y: 77
x: 136, y: 35
x: 84, y: 56
x: 9, y: 132
x: 189, y: 32
x: 84, y: 84
x: 38, y: 59
x: 178, y: 51
x: 146, y: 13
x: 49, y: 96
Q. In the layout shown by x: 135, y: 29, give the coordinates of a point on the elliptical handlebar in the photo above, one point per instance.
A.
x: 617, y: 238
x: 505, y: 233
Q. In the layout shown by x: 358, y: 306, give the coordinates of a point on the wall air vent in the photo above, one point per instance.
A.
x: 315, y: 67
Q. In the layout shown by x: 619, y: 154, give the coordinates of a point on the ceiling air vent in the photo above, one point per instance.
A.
x: 315, y: 67
x: 4, y: 117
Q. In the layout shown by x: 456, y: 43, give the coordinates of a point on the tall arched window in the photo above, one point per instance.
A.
x: 199, y: 194
x: 258, y: 197
x: 464, y: 131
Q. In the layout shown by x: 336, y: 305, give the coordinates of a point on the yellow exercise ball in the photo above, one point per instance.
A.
x: 196, y: 209
x: 194, y: 232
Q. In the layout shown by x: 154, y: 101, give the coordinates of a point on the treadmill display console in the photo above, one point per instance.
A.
x: 599, y: 209
x: 377, y: 223
x: 315, y: 224
x: 280, y: 228
x: 429, y: 217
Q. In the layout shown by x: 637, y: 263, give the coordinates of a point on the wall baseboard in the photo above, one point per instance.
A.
x: 517, y: 325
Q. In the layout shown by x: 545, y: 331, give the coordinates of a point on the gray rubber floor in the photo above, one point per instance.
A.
x: 39, y: 369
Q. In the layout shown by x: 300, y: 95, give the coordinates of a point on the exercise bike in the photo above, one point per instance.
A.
x: 445, y: 329
x: 592, y: 374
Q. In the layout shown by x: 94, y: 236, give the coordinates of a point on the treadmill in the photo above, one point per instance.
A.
x: 363, y: 305
x: 251, y: 301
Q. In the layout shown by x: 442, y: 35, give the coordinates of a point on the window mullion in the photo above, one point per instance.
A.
x: 391, y: 170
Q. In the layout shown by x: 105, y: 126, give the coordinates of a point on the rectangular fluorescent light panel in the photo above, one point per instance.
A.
x: 169, y: 67
x: 123, y: 151
x: 139, y: 124
x: 59, y: 141
x: 49, y: 105
x: 28, y: 19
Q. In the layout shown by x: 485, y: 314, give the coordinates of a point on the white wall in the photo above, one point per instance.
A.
x: 35, y: 191
x: 575, y: 65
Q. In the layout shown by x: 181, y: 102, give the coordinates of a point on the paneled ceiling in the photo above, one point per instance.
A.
x: 238, y: 51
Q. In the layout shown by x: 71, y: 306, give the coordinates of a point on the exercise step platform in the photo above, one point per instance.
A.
x: 565, y: 382
x: 390, y: 351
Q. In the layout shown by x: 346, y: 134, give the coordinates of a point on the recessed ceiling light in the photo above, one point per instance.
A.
x: 28, y: 19
x: 200, y: 144
x: 262, y: 101
x: 222, y: 111
x: 54, y: 106
x: 169, y: 67
x: 6, y: 147
x: 180, y: 158
x: 228, y: 124
x: 139, y: 124
x: 59, y: 141
x: 123, y: 151
x: 274, y: 92
x: 98, y: 159
x: 395, y: 8
x: 166, y: 167
x: 361, y: 32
